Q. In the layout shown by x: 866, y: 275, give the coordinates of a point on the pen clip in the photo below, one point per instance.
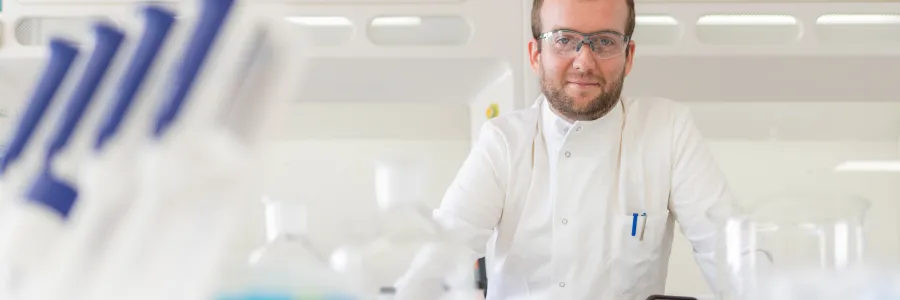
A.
x: 643, y: 226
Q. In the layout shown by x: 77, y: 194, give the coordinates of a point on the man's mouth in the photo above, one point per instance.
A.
x: 584, y: 84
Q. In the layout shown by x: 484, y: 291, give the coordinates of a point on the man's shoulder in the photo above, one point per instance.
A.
x: 516, y: 125
x: 515, y: 119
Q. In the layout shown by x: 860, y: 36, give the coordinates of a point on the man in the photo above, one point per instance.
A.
x: 576, y: 197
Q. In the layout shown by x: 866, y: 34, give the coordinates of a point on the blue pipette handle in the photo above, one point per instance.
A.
x: 212, y: 17
x: 158, y: 24
x: 48, y: 190
x: 62, y: 55
x: 53, y: 193
x: 109, y: 40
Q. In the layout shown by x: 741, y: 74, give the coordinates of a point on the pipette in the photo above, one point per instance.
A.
x: 62, y: 56
x: 105, y: 178
x: 35, y: 226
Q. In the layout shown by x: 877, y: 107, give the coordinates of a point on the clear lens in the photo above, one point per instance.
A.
x: 603, y: 45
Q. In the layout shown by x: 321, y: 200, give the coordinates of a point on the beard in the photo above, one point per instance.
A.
x: 596, y: 108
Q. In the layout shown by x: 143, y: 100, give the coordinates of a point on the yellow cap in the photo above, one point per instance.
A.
x: 493, y: 111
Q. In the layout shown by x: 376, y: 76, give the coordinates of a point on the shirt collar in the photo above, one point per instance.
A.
x: 553, y: 123
x: 557, y: 126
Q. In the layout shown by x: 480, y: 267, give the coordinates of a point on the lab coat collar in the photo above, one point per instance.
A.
x: 554, y: 124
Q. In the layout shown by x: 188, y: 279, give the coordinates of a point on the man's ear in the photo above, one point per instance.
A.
x: 629, y: 57
x: 534, y: 55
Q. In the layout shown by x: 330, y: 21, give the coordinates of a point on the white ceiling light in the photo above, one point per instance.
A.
x: 397, y: 21
x: 857, y: 19
x: 747, y: 20
x: 869, y: 166
x: 319, y: 21
x: 656, y: 20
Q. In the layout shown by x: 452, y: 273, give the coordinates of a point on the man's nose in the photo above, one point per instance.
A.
x: 584, y: 58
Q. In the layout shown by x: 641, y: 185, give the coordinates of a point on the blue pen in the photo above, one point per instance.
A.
x: 634, y: 225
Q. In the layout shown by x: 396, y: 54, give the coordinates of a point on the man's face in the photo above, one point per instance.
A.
x: 581, y: 85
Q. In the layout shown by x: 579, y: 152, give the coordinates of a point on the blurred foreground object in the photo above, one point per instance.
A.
x: 856, y: 283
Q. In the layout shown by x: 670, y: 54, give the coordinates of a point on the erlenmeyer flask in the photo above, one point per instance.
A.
x: 408, y: 237
x: 403, y: 227
x: 287, y: 266
x: 787, y: 235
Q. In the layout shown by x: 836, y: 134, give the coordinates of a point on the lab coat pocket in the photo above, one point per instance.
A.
x: 638, y: 253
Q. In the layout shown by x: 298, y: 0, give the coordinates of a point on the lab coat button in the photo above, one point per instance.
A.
x: 562, y: 284
x: 568, y: 154
x: 578, y: 128
x: 565, y: 221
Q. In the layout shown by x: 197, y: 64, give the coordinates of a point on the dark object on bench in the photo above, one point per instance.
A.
x: 481, y: 275
x: 665, y: 297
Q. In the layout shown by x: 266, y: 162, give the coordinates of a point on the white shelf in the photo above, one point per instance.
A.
x: 351, y: 68
x: 812, y: 39
x: 487, y: 38
x: 504, y: 39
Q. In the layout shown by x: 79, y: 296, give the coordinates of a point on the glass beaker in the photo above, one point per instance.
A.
x: 787, y: 235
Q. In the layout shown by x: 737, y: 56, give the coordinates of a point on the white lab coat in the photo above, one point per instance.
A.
x: 552, y: 206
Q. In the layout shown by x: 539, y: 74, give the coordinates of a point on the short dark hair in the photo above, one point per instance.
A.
x: 536, y: 18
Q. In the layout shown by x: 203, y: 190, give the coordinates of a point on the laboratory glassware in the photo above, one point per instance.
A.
x: 759, y: 245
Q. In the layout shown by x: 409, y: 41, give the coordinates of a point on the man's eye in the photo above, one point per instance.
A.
x: 562, y: 40
x: 604, y: 42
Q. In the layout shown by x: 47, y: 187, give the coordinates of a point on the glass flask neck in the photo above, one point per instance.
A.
x: 285, y: 220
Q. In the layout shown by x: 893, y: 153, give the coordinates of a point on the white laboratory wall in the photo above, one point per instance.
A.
x: 497, y: 95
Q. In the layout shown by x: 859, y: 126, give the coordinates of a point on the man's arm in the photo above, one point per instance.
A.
x: 700, y: 197
x: 469, y: 212
x: 473, y: 203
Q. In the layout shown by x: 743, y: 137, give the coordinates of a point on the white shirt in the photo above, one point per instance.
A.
x: 551, y: 204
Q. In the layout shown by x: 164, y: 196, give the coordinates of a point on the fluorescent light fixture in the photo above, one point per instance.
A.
x: 857, y: 19
x: 319, y: 21
x: 869, y: 166
x: 747, y: 20
x: 656, y: 20
x: 397, y: 21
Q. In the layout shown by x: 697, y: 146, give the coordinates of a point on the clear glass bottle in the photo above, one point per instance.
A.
x: 287, y: 266
x: 784, y: 239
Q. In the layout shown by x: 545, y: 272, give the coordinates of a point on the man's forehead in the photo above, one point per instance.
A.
x: 586, y: 16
